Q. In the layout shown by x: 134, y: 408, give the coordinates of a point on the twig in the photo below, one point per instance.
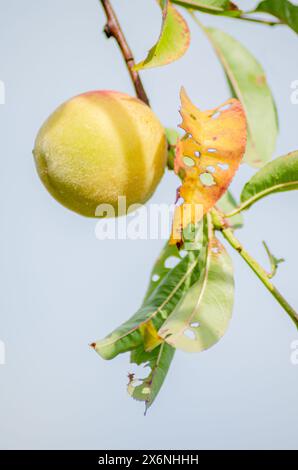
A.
x: 112, y: 28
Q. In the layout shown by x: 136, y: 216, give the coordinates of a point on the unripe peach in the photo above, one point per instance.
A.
x: 98, y: 146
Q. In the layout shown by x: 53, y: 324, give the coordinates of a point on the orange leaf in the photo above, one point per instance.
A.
x: 207, y: 158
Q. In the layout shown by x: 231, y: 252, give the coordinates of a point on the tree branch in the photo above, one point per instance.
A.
x: 112, y: 28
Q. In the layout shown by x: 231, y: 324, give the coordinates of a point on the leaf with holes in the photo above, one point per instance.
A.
x: 249, y: 84
x: 159, y: 362
x: 277, y: 176
x: 204, y: 313
x: 207, y: 158
x: 173, y: 41
x: 284, y: 10
x: 142, y: 327
x: 226, y: 204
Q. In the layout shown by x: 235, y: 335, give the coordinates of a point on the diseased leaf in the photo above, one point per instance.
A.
x: 285, y: 11
x: 274, y: 262
x: 159, y: 362
x: 247, y: 79
x: 207, y: 158
x: 157, y: 306
x: 201, y: 318
x: 279, y: 175
x: 227, y: 204
x: 161, y: 267
x: 173, y: 41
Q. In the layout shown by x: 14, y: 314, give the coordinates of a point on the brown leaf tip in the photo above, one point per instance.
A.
x: 92, y: 345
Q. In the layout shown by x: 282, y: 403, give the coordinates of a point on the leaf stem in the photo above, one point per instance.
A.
x: 219, y: 224
x: 112, y: 28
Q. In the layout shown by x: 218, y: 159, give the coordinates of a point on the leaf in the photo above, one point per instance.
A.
x: 173, y: 40
x: 274, y: 262
x: 159, y: 362
x: 161, y: 268
x: 203, y: 315
x: 157, y: 306
x: 207, y: 158
x: 285, y: 11
x: 214, y: 7
x: 172, y: 138
x: 227, y: 204
x: 279, y: 175
x: 247, y: 79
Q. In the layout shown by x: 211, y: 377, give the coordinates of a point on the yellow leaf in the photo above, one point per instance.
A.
x: 207, y: 158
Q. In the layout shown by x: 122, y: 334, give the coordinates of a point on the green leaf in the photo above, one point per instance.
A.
x: 172, y: 137
x: 159, y: 361
x: 274, y: 262
x: 285, y: 11
x: 249, y: 84
x: 214, y: 7
x: 203, y: 315
x: 279, y: 175
x: 161, y: 268
x: 228, y: 204
x: 156, y: 308
x: 173, y: 40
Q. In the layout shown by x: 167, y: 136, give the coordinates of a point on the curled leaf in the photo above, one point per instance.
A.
x: 207, y: 158
x: 173, y: 40
x: 248, y: 83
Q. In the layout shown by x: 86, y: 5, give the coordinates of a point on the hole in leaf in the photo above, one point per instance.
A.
x: 190, y: 334
x: 155, y: 277
x: 188, y: 161
x: 197, y: 153
x: 171, y: 262
x: 223, y: 166
x: 207, y: 179
x: 211, y: 169
x: 211, y: 150
x: 195, y: 324
x: 215, y: 115
x: 215, y: 249
x: 226, y: 107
